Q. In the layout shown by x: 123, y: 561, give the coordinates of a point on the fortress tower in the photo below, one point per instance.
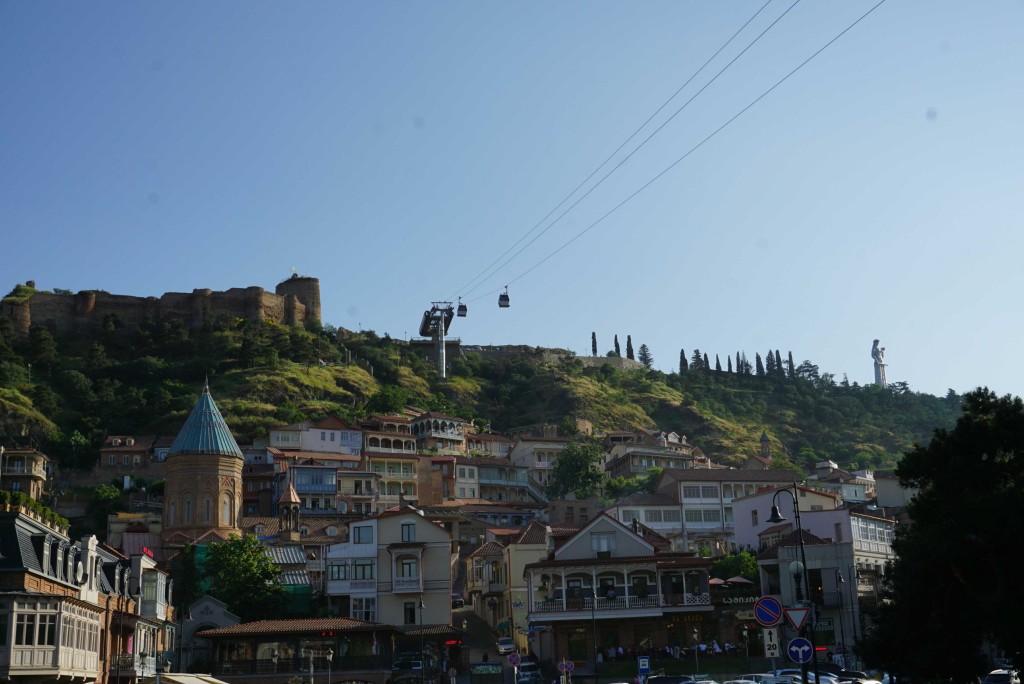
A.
x: 306, y: 290
x: 203, y: 490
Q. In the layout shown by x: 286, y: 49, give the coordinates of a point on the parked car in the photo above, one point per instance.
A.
x: 505, y: 645
x: 407, y: 665
x: 458, y: 601
x: 670, y: 679
x: 766, y: 678
x: 796, y: 675
x: 1001, y: 677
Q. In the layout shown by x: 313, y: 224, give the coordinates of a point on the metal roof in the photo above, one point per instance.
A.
x: 205, y: 431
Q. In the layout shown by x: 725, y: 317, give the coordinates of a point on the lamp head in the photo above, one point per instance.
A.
x: 776, y: 516
x: 796, y: 568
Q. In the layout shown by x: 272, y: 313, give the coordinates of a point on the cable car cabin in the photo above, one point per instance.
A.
x: 463, y: 309
x: 503, y: 300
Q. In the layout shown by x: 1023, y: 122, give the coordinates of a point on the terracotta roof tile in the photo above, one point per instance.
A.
x: 307, y: 626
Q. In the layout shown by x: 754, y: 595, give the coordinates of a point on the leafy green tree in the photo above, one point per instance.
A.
x: 593, y: 344
x: 618, y: 351
x: 243, y: 576
x: 188, y: 578
x: 957, y: 568
x: 696, y: 361
x: 388, y: 400
x: 808, y: 371
x: 577, y: 469
x: 629, y: 347
x: 736, y: 564
x: 42, y: 347
x: 683, y: 365
x: 645, y: 356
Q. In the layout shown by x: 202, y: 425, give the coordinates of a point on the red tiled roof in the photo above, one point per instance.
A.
x: 143, y: 443
x: 294, y: 626
x: 333, y: 423
x: 488, y: 549
x: 661, y: 560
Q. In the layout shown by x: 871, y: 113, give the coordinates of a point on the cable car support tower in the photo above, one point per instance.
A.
x: 435, y: 326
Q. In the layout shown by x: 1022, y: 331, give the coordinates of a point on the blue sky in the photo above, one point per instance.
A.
x: 395, y: 150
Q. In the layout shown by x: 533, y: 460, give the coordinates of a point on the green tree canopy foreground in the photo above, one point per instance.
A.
x: 576, y: 469
x: 243, y: 576
x: 736, y: 564
x: 955, y: 583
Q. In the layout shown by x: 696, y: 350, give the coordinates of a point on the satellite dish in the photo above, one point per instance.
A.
x: 79, y: 572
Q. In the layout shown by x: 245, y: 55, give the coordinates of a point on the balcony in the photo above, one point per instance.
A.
x: 543, y: 465
x: 395, y: 475
x: 503, y: 482
x: 329, y: 488
x: 356, y: 586
x: 406, y: 585
x: 573, y: 605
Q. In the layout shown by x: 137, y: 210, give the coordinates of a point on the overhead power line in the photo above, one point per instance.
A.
x: 691, y: 150
x: 487, y: 270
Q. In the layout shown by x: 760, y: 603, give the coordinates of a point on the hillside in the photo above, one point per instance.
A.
x: 68, y: 392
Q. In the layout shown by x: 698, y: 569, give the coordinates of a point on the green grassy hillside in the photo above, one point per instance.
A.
x: 68, y: 392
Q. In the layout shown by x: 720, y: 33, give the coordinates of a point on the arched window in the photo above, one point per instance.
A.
x: 225, y: 510
x: 207, y: 510
x: 172, y: 514
x: 188, y: 511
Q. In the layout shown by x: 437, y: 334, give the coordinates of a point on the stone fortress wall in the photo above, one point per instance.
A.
x: 295, y: 301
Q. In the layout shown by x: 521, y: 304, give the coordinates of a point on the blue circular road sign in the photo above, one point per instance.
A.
x: 768, y: 611
x: 800, y: 650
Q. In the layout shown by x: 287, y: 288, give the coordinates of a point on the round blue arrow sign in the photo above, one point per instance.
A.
x: 800, y: 650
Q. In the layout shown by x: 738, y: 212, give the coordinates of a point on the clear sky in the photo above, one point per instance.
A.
x: 396, y: 150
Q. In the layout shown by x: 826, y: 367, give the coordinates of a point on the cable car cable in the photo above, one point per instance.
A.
x: 691, y: 150
x: 617, y: 150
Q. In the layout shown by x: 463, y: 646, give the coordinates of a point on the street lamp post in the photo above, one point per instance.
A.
x: 696, y: 652
x: 593, y: 626
x: 842, y: 629
x: 330, y: 658
x: 746, y: 645
x: 423, y: 655
x: 777, y: 517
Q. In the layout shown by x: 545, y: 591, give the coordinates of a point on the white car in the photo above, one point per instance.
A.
x: 796, y: 675
x: 505, y: 645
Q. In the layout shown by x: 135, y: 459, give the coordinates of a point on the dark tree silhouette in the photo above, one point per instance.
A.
x: 645, y: 356
x: 707, y: 364
x: 729, y: 359
x: 792, y: 367
x: 769, y: 368
x: 778, y: 364
x: 629, y: 347
x: 593, y: 344
x: 683, y: 366
x: 718, y: 364
x: 759, y: 365
x: 618, y: 350
x: 696, y: 361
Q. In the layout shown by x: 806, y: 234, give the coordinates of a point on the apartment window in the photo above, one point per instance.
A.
x: 462, y: 492
x: 47, y: 630
x: 323, y: 436
x: 570, y: 514
x: 584, y: 516
x: 629, y: 515
x: 602, y: 542
x: 124, y: 459
x: 691, y: 492
x: 338, y: 571
x: 671, y: 516
x: 408, y: 532
x: 712, y: 516
x: 462, y: 472
x: 694, y: 516
x: 25, y: 630
x: 363, y: 569
x: 332, y: 436
x: 362, y: 535
x: 408, y: 568
x: 410, y: 612
x: 709, y: 492
x: 136, y: 459
x: 727, y: 491
x: 472, y: 492
x: 112, y: 460
x: 753, y: 518
x: 364, y: 609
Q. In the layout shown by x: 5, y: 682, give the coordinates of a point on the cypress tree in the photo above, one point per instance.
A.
x: 618, y: 351
x: 629, y: 347
x: 729, y: 360
x: 707, y: 364
x: 792, y: 368
x: 759, y: 365
x: 778, y: 363
x: 682, y: 361
x: 769, y: 368
x: 718, y: 364
x: 593, y: 344
x: 739, y: 366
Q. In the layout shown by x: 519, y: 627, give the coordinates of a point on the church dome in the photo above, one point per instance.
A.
x: 205, y: 431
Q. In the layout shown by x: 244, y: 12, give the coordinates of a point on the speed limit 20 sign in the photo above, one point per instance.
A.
x: 771, y: 642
